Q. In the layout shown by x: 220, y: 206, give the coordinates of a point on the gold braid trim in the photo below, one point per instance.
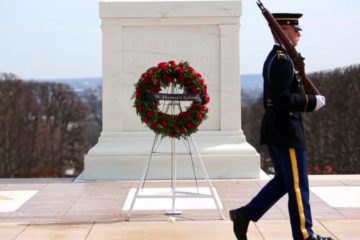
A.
x: 307, y: 101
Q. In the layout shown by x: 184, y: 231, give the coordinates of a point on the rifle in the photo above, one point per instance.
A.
x: 296, y: 57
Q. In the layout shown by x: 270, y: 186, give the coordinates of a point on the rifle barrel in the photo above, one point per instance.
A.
x: 298, y: 60
x: 261, y: 6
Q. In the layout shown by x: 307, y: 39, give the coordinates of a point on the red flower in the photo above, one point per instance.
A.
x: 197, y: 75
x: 327, y: 169
x: 189, y: 125
x: 175, y: 126
x: 207, y: 99
x: 201, y: 81
x: 204, y: 91
x: 317, y: 169
x: 150, y: 75
x: 153, y: 126
x: 163, y: 66
x: 163, y: 123
x: 139, y: 108
x: 190, y: 69
x: 145, y: 81
x: 200, y: 116
x: 168, y: 79
x: 149, y: 114
x: 146, y: 121
x: 182, y: 131
x: 194, y: 90
x: 171, y: 135
x: 181, y: 71
x: 187, y: 114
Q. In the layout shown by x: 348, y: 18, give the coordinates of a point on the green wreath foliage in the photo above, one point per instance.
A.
x: 160, y: 77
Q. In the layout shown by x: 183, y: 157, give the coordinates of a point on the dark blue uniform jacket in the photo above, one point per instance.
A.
x: 284, y: 98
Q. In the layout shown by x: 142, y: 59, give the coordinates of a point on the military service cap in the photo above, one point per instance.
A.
x: 288, y: 19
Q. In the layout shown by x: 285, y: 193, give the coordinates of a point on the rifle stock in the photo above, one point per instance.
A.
x: 296, y: 57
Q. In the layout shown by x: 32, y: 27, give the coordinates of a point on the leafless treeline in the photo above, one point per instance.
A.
x: 332, y: 133
x: 45, y: 129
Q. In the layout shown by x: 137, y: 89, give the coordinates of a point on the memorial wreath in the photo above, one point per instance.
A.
x: 147, y: 99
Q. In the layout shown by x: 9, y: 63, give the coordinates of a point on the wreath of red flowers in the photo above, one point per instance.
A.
x: 161, y: 76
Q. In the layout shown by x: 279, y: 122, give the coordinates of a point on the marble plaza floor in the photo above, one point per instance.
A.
x: 76, y: 210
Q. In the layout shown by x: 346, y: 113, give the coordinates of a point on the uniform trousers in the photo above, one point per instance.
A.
x: 290, y: 177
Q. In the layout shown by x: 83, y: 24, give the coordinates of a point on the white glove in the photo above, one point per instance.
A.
x: 320, y: 102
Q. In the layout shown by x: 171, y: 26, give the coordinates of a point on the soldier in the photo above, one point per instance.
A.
x: 284, y: 99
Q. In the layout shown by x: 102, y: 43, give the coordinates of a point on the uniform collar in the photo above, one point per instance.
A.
x: 279, y: 46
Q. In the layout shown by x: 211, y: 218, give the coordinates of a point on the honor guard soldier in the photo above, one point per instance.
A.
x: 284, y: 99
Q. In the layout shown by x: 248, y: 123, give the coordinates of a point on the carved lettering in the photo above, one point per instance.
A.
x: 167, y: 44
x: 140, y: 60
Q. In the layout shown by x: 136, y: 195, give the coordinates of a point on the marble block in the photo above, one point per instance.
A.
x: 138, y: 35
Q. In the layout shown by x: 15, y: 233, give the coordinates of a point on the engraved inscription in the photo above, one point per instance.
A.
x: 166, y: 44
x: 140, y: 60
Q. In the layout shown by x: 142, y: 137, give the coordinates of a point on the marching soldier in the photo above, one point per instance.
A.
x: 284, y: 99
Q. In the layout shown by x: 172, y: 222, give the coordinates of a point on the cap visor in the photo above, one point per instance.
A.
x: 297, y: 27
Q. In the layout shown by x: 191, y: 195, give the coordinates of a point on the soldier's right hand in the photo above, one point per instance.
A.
x: 320, y: 102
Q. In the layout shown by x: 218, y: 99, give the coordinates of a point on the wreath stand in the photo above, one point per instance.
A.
x: 188, y: 141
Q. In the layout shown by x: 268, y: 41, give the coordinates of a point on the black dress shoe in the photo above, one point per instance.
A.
x: 317, y: 237
x: 241, y: 223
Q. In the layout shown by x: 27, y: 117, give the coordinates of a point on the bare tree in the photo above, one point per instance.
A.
x: 43, y: 129
x: 92, y: 99
x: 331, y: 133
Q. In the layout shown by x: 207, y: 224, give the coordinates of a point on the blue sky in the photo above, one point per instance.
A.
x: 44, y: 39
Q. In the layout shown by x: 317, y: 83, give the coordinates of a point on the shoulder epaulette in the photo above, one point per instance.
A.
x: 280, y: 54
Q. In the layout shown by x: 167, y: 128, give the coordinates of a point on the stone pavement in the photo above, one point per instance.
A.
x: 64, y: 209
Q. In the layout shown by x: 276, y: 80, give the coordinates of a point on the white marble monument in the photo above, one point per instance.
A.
x: 140, y: 34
